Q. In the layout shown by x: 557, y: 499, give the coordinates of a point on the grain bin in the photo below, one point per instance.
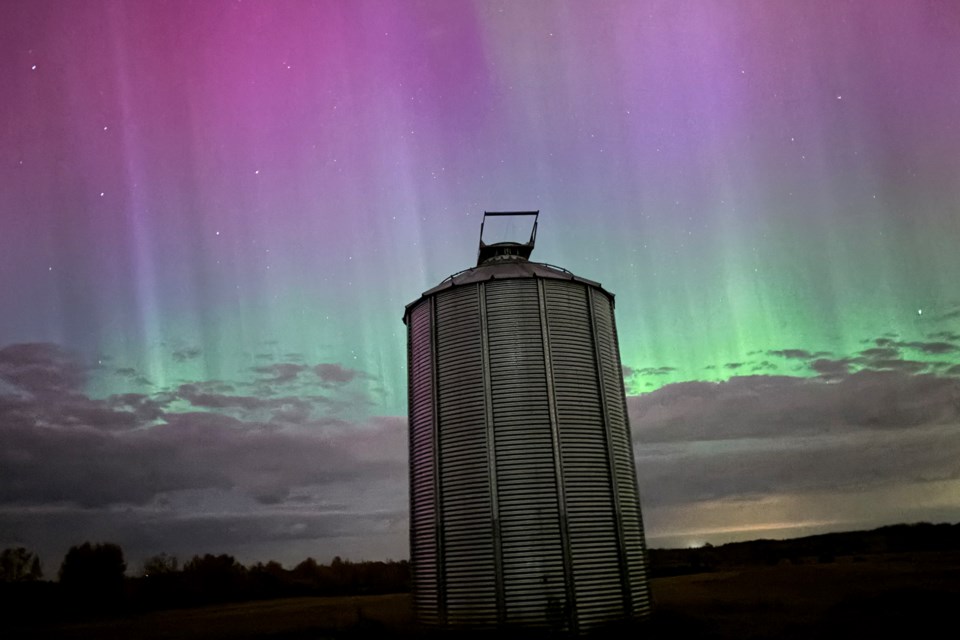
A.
x: 524, y: 509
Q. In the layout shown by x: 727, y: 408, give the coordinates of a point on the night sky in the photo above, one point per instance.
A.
x: 213, y: 213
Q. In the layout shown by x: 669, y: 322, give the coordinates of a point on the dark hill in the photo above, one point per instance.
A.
x: 827, y: 547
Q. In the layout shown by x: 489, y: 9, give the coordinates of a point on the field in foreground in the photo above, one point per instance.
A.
x: 881, y: 596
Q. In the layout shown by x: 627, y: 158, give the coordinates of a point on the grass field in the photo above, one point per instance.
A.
x: 906, y: 595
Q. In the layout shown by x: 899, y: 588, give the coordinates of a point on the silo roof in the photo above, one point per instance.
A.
x: 505, y: 270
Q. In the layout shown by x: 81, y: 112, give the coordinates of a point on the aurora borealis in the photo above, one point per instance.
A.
x: 213, y: 213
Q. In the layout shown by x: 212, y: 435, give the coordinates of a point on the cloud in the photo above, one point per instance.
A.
x: 885, y: 355
x: 771, y: 406
x: 655, y: 371
x: 197, y: 396
x: 41, y: 369
x: 673, y: 474
x: 831, y: 368
x: 879, y: 352
x: 280, y: 373
x: 186, y: 451
x: 145, y: 408
x: 185, y: 455
x: 950, y: 315
x: 945, y: 335
x: 756, y: 439
x: 793, y: 354
x: 933, y: 348
x: 336, y: 375
x: 911, y: 366
x: 186, y: 354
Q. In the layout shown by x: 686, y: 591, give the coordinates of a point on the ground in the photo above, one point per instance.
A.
x: 877, y: 596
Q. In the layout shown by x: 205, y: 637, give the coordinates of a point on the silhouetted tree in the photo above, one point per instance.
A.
x: 92, y: 575
x: 215, y: 578
x: 19, y: 565
x: 160, y: 564
x: 160, y: 584
x: 269, y: 580
x: 307, y: 572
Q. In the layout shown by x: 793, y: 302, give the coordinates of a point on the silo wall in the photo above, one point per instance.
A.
x: 523, y: 494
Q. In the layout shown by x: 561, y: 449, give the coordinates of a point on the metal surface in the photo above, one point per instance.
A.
x: 528, y: 513
x: 494, y: 250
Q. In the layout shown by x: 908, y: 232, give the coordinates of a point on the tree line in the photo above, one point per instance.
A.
x: 93, y: 580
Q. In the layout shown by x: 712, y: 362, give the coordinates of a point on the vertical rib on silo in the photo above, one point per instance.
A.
x: 593, y: 538
x: 530, y: 527
x: 425, y: 555
x: 467, y: 536
x: 630, y: 517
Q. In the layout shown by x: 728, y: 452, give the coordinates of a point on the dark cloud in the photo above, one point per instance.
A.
x: 132, y: 375
x: 751, y: 437
x: 945, y: 335
x: 188, y: 451
x: 145, y: 408
x: 887, y: 348
x: 950, y: 315
x: 831, y: 368
x: 793, y: 354
x: 41, y: 369
x: 733, y: 365
x: 214, y: 386
x: 954, y: 370
x: 933, y: 348
x: 655, y: 371
x: 627, y: 371
x: 335, y: 375
x: 62, y: 446
x: 198, y: 397
x: 879, y: 352
x: 771, y: 406
x: 46, y: 390
x: 911, y: 366
x: 684, y: 475
x: 264, y: 406
x: 280, y: 373
x: 186, y: 354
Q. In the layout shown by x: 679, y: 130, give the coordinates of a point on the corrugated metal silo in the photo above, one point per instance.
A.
x: 524, y: 507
